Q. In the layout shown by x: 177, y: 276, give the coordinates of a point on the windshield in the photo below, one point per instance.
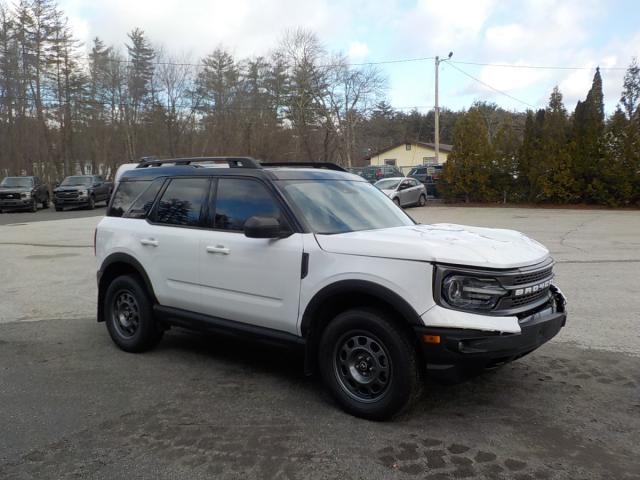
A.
x: 17, y: 182
x: 387, y: 184
x: 339, y: 206
x: 74, y: 181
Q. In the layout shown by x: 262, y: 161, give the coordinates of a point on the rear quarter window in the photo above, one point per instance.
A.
x: 127, y: 193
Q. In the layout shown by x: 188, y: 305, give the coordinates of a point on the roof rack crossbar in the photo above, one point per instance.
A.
x: 325, y: 165
x: 233, y: 162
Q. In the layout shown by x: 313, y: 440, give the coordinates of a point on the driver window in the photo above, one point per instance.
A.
x: 238, y: 199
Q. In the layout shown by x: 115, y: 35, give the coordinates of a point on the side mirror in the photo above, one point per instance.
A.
x: 264, y: 227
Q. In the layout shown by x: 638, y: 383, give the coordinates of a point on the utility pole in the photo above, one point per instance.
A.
x: 436, y: 133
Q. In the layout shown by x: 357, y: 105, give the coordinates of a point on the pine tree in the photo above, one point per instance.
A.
x: 587, y: 150
x: 631, y: 90
x: 467, y: 173
x: 555, y: 178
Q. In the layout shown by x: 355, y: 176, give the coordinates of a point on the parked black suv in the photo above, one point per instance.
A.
x: 82, y: 191
x: 23, y: 193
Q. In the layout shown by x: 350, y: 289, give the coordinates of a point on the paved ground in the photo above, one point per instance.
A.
x: 50, y: 213
x: 73, y: 406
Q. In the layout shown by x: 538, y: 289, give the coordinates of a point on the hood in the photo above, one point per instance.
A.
x: 15, y: 189
x: 443, y: 243
x: 69, y: 188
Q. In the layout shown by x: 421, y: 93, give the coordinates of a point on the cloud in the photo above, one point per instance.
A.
x: 358, y: 51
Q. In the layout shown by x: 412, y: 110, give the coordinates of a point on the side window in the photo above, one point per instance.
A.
x: 182, y: 202
x: 142, y: 205
x: 238, y: 199
x: 124, y: 197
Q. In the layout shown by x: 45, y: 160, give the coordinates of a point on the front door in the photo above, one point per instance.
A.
x: 249, y: 280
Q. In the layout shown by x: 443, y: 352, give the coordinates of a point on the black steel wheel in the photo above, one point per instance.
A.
x: 128, y: 314
x: 362, y: 366
x: 369, y: 364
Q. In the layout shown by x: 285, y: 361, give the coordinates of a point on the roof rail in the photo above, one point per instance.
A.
x: 233, y: 162
x: 325, y: 165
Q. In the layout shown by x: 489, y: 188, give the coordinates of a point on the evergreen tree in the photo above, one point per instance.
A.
x: 631, y: 90
x: 587, y: 149
x: 467, y: 173
x: 555, y: 177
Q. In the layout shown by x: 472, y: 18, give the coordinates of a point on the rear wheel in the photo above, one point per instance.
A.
x: 45, y: 202
x: 129, y: 315
x: 422, y: 201
x: 369, y: 364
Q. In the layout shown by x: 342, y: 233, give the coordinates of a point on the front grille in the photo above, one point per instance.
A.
x: 533, y: 277
x: 67, y: 194
x: 9, y: 196
x: 529, y: 298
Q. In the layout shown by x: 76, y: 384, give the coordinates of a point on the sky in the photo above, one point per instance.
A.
x: 573, y: 36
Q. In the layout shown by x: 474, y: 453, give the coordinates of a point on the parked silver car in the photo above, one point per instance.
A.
x: 404, y: 191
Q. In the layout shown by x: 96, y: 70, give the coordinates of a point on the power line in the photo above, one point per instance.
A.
x: 535, y: 67
x: 490, y: 87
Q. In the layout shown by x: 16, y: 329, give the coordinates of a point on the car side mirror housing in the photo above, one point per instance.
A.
x: 265, y: 227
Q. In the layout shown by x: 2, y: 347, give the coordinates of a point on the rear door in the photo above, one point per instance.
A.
x: 249, y: 280
x: 168, y: 243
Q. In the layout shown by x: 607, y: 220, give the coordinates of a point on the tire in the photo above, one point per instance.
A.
x: 369, y: 364
x: 129, y: 315
x: 45, y: 202
x: 34, y: 205
x: 397, y: 202
x: 422, y: 201
x: 92, y: 203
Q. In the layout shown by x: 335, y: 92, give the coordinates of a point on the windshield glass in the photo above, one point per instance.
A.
x: 17, y: 182
x: 339, y: 206
x: 387, y: 184
x: 74, y: 181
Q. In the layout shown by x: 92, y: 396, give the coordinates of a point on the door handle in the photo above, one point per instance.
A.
x: 218, y: 249
x: 149, y: 242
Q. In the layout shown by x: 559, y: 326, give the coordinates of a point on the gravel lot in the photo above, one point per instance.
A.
x: 73, y: 406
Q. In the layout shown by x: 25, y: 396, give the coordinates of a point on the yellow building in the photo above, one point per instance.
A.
x: 410, y: 154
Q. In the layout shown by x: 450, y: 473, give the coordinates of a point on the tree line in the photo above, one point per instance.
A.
x: 555, y: 157
x: 67, y: 108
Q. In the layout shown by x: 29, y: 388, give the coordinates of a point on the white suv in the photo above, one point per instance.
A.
x: 311, y: 256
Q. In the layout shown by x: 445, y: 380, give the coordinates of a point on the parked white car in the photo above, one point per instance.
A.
x: 319, y: 259
x: 404, y: 191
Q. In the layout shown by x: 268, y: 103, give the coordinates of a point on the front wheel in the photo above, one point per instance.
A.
x: 422, y: 201
x: 129, y: 315
x: 34, y: 205
x: 92, y: 203
x: 369, y: 364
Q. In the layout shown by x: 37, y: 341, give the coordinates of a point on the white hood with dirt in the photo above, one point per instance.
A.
x: 442, y: 243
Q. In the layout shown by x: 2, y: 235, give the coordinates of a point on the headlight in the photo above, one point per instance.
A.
x: 25, y: 194
x: 82, y: 192
x: 466, y: 292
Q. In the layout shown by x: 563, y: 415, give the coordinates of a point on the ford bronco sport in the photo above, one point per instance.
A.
x: 320, y: 259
